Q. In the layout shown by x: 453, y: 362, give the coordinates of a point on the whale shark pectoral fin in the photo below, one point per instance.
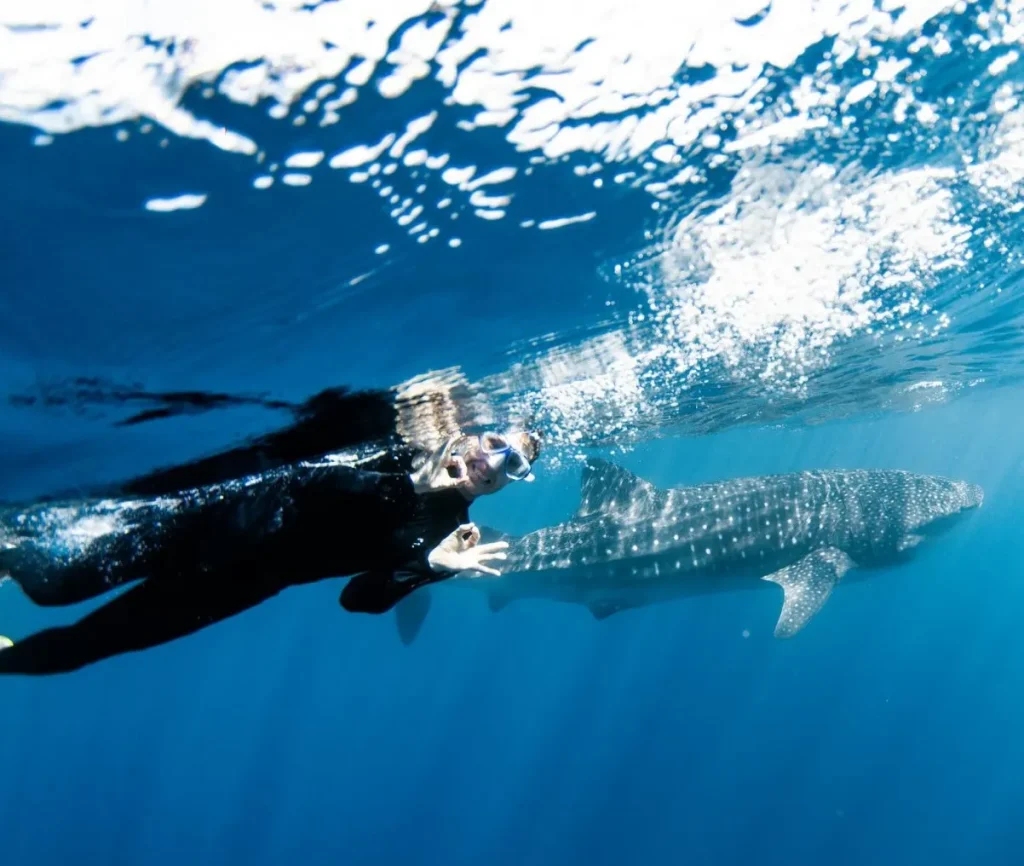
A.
x: 410, y: 613
x: 806, y: 585
x: 603, y: 608
x: 497, y: 601
x: 909, y: 542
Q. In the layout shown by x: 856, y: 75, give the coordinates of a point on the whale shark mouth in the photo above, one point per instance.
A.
x: 971, y: 495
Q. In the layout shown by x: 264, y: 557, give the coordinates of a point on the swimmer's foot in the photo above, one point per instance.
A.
x: 5, y: 642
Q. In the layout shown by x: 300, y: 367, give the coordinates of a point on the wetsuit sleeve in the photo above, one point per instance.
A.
x: 378, y: 592
x: 355, y: 484
x: 435, y: 515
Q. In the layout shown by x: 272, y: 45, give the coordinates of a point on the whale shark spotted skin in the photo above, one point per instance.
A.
x: 631, y: 544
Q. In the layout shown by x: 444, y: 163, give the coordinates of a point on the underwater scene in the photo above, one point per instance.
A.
x: 512, y: 432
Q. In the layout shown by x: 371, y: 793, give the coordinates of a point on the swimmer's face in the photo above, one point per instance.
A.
x: 495, y: 460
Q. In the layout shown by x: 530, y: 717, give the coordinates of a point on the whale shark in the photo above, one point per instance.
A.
x: 630, y: 544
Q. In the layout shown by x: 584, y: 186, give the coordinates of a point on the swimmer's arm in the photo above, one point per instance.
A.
x: 354, y: 484
x: 380, y: 591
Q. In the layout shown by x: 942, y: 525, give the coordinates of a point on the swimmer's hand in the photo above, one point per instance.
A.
x: 462, y: 551
x: 441, y: 470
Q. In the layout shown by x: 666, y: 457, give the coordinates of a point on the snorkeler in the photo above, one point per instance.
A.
x: 207, y: 553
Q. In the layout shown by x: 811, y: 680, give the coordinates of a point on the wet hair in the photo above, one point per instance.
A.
x: 532, y: 450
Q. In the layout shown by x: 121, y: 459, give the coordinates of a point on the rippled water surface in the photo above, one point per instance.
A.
x: 623, y: 219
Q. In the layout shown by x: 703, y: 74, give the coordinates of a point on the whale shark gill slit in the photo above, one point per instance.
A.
x: 806, y: 586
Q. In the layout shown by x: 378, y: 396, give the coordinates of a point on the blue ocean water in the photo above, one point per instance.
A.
x: 821, y: 275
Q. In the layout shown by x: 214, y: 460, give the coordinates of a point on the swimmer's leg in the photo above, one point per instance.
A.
x: 50, y: 583
x: 51, y: 577
x: 152, y: 613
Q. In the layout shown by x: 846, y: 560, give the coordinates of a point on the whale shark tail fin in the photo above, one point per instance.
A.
x: 806, y: 586
x: 605, y: 487
x: 410, y: 614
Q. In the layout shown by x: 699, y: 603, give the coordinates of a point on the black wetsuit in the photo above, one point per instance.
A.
x: 206, y: 554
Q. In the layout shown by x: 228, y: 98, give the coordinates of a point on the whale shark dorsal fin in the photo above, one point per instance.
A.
x: 806, y: 586
x: 410, y: 613
x: 605, y: 487
x: 489, y: 534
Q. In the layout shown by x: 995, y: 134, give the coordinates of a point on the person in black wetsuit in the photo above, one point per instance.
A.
x: 207, y: 553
